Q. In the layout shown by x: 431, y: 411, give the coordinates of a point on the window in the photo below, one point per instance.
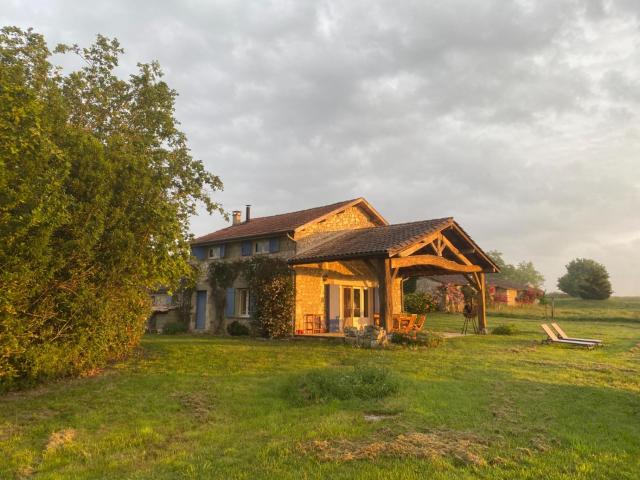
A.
x: 262, y: 246
x: 216, y: 252
x: 242, y: 307
x: 161, y: 300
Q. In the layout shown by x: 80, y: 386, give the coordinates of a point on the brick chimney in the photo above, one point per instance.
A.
x: 236, y: 217
x: 248, y: 215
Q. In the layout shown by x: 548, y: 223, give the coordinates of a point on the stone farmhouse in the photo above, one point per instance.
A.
x: 348, y: 264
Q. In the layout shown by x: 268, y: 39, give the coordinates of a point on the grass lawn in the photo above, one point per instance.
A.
x: 490, y: 407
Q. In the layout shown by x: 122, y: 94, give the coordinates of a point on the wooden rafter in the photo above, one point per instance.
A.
x: 455, y: 251
x: 439, y: 245
x: 441, y: 262
x: 394, y: 273
x: 472, y: 281
x: 419, y: 244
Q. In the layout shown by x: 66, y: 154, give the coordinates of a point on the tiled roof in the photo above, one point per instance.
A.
x: 384, y: 240
x: 285, y: 222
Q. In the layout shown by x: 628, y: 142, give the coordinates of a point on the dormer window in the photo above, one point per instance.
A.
x: 262, y: 246
x: 216, y: 251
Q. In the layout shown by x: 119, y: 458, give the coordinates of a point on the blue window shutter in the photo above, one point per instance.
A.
x: 222, y: 251
x: 230, y: 307
x: 274, y: 245
x: 246, y: 248
x: 199, y: 252
x: 333, y: 301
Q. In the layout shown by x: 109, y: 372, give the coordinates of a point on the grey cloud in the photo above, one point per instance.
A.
x: 518, y: 118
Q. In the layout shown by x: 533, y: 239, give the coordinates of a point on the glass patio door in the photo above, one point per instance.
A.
x: 355, y: 305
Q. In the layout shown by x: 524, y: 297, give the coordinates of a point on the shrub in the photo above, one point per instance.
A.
x: 421, y: 339
x: 530, y: 295
x: 505, y: 329
x: 420, y: 303
x: 236, y: 328
x: 172, y: 328
x: 344, y: 383
x: 96, y: 189
x: 452, y: 296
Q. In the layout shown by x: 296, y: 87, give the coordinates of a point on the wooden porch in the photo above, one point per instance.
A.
x: 422, y: 249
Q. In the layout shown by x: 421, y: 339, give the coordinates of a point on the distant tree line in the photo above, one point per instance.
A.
x: 96, y: 189
x: 523, y: 273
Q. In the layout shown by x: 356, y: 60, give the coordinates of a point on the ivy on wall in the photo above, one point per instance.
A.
x: 270, y: 282
x: 221, y: 276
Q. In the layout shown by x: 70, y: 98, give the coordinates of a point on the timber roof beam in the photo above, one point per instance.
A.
x: 433, y: 260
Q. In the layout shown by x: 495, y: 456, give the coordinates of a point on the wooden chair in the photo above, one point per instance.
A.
x: 553, y: 338
x: 564, y: 336
x: 313, y: 323
x: 404, y: 323
x: 309, y: 323
x: 419, y: 323
x: 318, y: 326
x: 407, y: 323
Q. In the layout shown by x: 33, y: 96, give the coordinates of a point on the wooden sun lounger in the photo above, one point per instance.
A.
x: 564, y: 336
x: 553, y: 338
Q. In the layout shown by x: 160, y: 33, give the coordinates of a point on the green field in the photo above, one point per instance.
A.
x: 490, y: 407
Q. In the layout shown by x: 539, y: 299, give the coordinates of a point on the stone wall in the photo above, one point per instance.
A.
x: 309, y: 294
x: 310, y: 284
x: 348, y: 219
x: 158, y: 320
x: 397, y: 296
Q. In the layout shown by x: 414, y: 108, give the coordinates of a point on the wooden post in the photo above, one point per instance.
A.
x: 482, y: 308
x: 386, y: 294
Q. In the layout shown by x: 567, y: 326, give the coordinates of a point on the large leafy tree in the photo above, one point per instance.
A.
x: 586, y: 279
x: 523, y: 273
x: 97, y: 185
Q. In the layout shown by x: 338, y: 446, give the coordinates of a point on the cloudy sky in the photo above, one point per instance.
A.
x: 520, y: 119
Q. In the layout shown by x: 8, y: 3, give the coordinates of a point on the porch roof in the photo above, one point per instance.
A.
x: 390, y: 241
x: 366, y: 242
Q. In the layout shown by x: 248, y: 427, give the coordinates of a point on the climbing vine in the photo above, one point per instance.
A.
x: 221, y: 276
x: 271, y: 291
x: 271, y: 286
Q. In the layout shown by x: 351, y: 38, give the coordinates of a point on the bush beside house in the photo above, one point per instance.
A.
x: 97, y: 187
